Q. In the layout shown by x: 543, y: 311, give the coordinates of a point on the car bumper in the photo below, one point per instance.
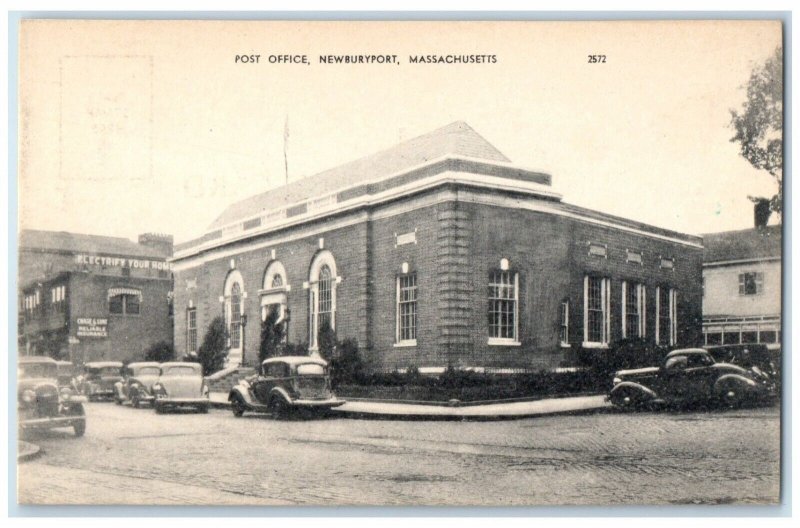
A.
x: 100, y: 392
x: 324, y: 404
x: 54, y: 421
x: 181, y: 401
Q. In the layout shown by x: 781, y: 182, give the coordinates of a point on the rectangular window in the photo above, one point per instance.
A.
x: 666, y: 309
x: 563, y: 333
x: 503, y: 292
x: 116, y: 303
x: 132, y: 304
x: 731, y: 337
x: 596, y: 311
x: 191, y: 330
x: 407, y: 309
x: 751, y: 283
x: 633, y: 310
x: 714, y: 338
x: 749, y: 337
x: 124, y: 303
x: 767, y: 336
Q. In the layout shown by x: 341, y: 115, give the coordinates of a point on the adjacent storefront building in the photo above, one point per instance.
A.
x: 742, y: 287
x: 88, y: 298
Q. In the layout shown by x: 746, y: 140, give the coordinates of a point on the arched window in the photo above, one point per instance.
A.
x: 274, y: 293
x: 234, y: 307
x: 235, y: 324
x: 322, y: 298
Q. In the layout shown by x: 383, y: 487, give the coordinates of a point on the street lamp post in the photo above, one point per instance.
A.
x: 243, y: 323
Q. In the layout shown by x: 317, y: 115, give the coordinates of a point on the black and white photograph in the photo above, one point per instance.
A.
x: 399, y: 263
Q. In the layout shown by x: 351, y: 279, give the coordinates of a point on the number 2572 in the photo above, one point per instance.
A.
x: 595, y: 59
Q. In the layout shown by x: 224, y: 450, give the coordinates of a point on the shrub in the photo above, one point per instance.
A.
x: 326, y: 341
x: 453, y: 378
x: 272, y: 333
x: 346, y: 365
x: 161, y: 352
x: 293, y: 349
x: 214, y: 350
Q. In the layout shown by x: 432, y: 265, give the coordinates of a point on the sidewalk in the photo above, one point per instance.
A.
x: 494, y: 411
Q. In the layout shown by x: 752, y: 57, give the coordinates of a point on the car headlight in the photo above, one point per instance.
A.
x: 205, y: 390
x: 66, y: 392
x: 617, y: 380
x: 28, y: 396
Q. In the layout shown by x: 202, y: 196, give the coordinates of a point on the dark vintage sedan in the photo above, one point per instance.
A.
x: 41, y: 404
x: 690, y: 376
x: 98, y: 379
x: 284, y: 384
x: 137, y: 382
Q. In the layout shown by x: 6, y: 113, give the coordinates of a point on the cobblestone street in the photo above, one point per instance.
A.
x: 137, y: 457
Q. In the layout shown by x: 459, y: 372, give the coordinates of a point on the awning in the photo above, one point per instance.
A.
x: 113, y: 292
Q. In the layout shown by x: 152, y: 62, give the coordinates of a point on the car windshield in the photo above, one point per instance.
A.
x: 148, y: 371
x: 36, y: 370
x: 180, y: 371
x: 310, y: 369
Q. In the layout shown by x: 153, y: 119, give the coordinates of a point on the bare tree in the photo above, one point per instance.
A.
x: 759, y: 123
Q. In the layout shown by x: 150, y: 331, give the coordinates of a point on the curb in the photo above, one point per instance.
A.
x: 27, y: 451
x: 357, y: 415
x: 362, y: 415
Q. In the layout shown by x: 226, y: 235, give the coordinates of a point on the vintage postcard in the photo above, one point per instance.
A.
x: 331, y: 263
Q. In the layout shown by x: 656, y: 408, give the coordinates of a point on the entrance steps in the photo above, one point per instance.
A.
x: 225, y: 379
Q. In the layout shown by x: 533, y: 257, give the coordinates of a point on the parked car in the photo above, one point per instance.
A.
x: 690, y: 376
x: 66, y: 373
x: 766, y: 358
x: 41, y: 403
x: 98, y: 379
x: 137, y: 382
x: 284, y: 384
x: 180, y: 385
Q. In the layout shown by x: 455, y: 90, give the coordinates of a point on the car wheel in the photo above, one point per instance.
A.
x: 625, y: 399
x: 237, y: 406
x: 117, y: 400
x: 278, y: 408
x: 730, y: 393
x: 203, y: 409
x: 79, y: 426
x: 135, y: 400
x: 159, y: 408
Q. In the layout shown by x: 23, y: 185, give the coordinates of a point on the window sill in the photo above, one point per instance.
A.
x: 565, y: 345
x: 498, y: 341
x: 592, y: 344
x: 404, y: 344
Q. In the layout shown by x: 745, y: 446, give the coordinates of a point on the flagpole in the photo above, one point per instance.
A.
x: 285, y: 157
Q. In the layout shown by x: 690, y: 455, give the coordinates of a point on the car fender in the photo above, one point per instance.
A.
x: 243, y: 393
x: 280, y: 392
x: 744, y: 381
x: 647, y: 392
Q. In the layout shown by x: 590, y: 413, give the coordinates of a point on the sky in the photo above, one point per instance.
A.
x: 129, y: 127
